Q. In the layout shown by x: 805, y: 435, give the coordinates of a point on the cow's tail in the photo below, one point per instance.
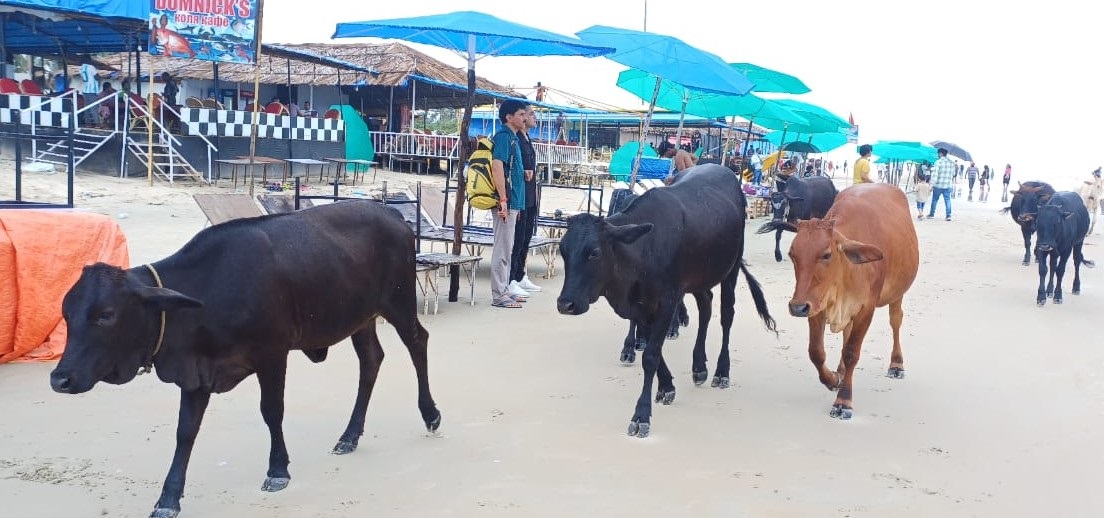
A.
x: 760, y: 300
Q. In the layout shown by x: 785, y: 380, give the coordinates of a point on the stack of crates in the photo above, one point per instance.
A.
x: 758, y: 207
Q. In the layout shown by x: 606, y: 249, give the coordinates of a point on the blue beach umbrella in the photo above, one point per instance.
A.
x: 666, y: 58
x: 473, y: 35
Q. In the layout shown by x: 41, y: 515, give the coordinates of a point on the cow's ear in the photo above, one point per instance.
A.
x: 166, y: 299
x: 1014, y: 191
x: 629, y: 233
x: 860, y: 253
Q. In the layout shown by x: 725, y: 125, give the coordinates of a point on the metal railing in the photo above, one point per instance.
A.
x: 191, y: 131
x: 416, y: 144
x: 557, y: 154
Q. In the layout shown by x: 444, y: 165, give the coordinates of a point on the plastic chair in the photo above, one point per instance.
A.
x: 211, y: 103
x: 276, y: 109
x: 332, y: 114
x: 193, y: 102
x: 30, y: 87
x: 9, y: 86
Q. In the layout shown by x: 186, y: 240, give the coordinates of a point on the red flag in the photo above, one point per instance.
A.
x: 850, y: 119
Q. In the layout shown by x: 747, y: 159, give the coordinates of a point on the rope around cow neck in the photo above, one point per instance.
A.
x: 160, y: 334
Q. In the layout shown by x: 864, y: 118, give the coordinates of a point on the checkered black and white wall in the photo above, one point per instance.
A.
x: 54, y: 112
x: 230, y: 123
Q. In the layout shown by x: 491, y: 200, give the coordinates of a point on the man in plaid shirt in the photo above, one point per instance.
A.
x: 941, y: 181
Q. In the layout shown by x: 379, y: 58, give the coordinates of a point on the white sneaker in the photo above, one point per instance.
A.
x: 528, y: 285
x: 515, y: 290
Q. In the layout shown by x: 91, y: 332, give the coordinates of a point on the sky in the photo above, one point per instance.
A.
x: 1004, y: 80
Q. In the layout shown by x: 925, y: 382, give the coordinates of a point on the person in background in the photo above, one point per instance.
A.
x: 756, y: 163
x: 862, y: 165
x: 168, y: 95
x: 923, y: 195
x: 508, y: 174
x: 983, y: 184
x: 942, y: 182
x: 307, y: 111
x: 1007, y: 179
x: 107, y: 108
x: 681, y: 159
x: 520, y: 285
x: 971, y: 178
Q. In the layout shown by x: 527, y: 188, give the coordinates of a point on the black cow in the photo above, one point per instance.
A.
x: 686, y: 238
x: 797, y: 198
x: 635, y: 339
x: 233, y: 301
x: 1061, y: 225
x: 1027, y: 190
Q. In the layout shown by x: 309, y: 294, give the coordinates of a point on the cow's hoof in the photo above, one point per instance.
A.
x: 673, y: 333
x: 343, y: 447
x: 1076, y: 292
x: 628, y: 357
x: 638, y: 429
x: 641, y: 345
x: 665, y: 396
x: 161, y: 512
x: 1027, y: 263
x: 839, y: 412
x: 273, y: 484
x: 1088, y: 263
x: 721, y: 382
x: 897, y: 373
x: 700, y: 377
x: 433, y: 424
x: 1041, y: 302
x: 1058, y: 299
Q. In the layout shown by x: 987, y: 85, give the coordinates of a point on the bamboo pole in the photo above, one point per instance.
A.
x: 149, y: 127
x: 256, y: 100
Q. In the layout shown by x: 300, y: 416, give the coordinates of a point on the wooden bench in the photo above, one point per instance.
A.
x: 468, y: 263
x: 426, y: 274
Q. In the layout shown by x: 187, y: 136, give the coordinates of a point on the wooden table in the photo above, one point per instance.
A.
x: 343, y: 163
x: 267, y: 161
x: 307, y: 163
x: 234, y: 164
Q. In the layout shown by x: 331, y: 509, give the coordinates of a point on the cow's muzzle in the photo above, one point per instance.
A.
x: 569, y: 307
x: 799, y: 309
x: 61, y: 382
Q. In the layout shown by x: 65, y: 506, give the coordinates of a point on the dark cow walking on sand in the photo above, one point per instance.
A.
x: 862, y: 255
x: 797, y: 198
x: 1061, y: 223
x: 233, y: 301
x: 686, y: 238
x: 1027, y: 225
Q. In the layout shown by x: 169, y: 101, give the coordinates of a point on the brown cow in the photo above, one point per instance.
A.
x: 861, y: 256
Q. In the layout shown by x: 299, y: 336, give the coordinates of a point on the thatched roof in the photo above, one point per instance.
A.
x: 273, y: 70
x: 395, y: 62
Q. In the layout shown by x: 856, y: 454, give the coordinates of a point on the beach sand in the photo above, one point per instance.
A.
x: 1000, y: 414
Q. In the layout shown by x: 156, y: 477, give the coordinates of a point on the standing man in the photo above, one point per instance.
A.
x: 508, y: 174
x: 971, y: 178
x: 520, y: 285
x: 862, y: 165
x: 942, y: 180
x: 1007, y: 180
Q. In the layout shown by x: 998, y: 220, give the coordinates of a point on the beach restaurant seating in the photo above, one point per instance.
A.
x: 30, y: 87
x: 9, y: 86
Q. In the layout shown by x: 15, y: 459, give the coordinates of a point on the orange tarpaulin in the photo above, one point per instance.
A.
x: 41, y: 257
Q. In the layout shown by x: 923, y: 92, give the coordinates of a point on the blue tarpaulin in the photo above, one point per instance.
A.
x: 47, y: 27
